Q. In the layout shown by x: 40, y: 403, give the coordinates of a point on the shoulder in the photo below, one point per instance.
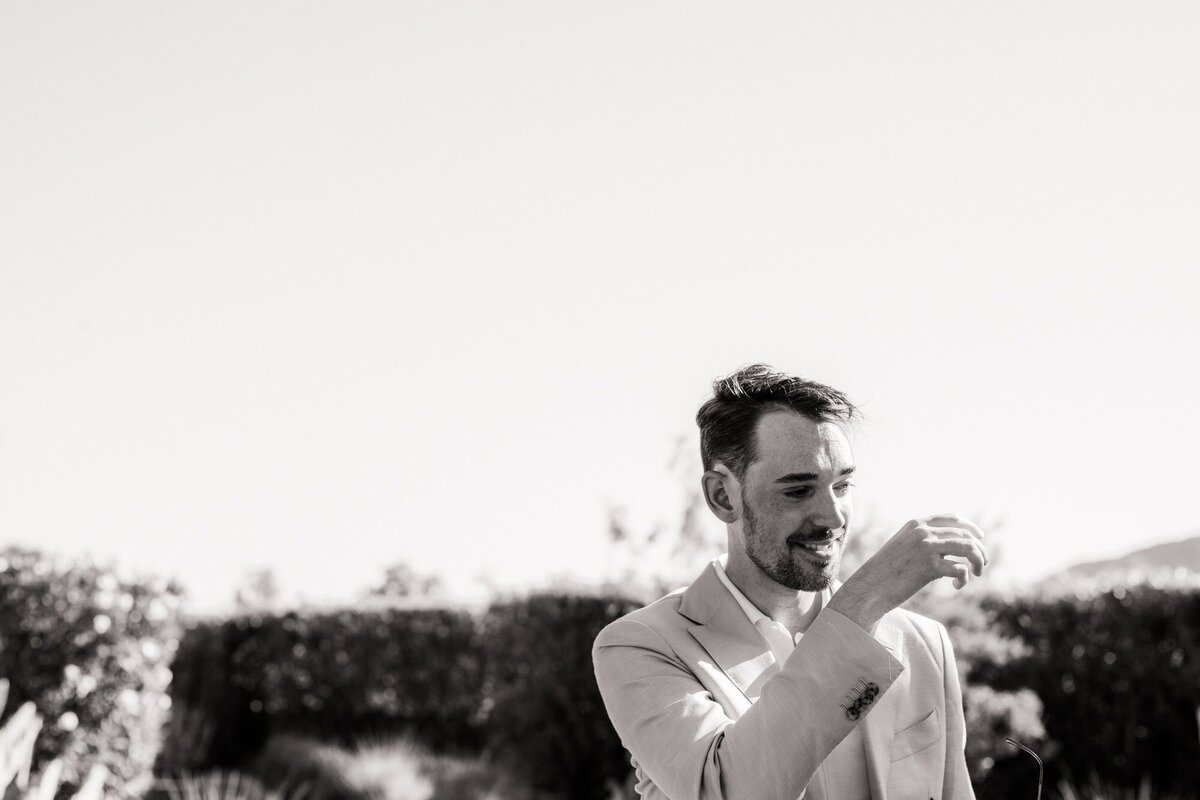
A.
x: 647, y: 624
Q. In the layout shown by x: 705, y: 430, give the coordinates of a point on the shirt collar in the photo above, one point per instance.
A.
x: 752, y: 611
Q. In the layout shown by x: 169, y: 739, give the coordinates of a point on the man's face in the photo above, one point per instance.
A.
x: 797, y: 493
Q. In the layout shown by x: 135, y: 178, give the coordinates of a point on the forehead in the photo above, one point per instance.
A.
x: 787, y: 442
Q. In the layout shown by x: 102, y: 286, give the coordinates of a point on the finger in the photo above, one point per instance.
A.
x: 969, y: 549
x: 955, y: 521
x: 48, y: 785
x: 93, y: 787
x: 960, y: 572
x: 960, y: 533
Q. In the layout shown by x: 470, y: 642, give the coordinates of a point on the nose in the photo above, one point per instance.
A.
x: 831, y: 512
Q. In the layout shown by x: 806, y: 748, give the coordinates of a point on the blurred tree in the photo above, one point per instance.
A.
x: 259, y: 591
x: 649, y: 564
x: 402, y: 581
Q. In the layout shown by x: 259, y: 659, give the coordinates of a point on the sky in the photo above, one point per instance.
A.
x: 322, y: 287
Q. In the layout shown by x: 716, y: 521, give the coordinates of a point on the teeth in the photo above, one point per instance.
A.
x: 819, y: 548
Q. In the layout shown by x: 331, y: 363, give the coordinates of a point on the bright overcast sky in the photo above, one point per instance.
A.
x: 326, y: 286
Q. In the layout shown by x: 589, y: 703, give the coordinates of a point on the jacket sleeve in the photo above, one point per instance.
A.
x: 692, y: 750
x: 956, y: 785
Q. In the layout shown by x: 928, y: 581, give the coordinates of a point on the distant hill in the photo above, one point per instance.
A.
x: 1184, y: 554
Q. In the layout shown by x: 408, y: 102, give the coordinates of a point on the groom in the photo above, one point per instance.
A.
x: 766, y: 678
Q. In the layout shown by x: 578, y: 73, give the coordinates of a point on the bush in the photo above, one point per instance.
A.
x: 547, y: 719
x: 994, y: 709
x: 1117, y: 669
x: 90, y: 649
x: 214, y: 721
x: 332, y: 675
x: 386, y: 768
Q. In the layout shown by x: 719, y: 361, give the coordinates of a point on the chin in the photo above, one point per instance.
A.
x: 806, y: 580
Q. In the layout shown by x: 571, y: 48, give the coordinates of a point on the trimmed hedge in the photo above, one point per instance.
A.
x: 547, y: 720
x: 333, y: 675
x: 515, y: 683
x: 90, y: 648
x: 1117, y: 669
x: 1116, y: 673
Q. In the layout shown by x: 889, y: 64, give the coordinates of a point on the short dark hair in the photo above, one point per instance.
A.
x: 729, y: 418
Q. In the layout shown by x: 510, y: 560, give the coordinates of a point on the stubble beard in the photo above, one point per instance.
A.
x: 789, y: 568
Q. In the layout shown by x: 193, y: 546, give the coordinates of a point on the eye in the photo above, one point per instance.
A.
x: 798, y: 493
x: 842, y: 488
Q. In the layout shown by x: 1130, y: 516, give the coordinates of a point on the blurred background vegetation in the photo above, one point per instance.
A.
x: 405, y: 697
x: 410, y: 695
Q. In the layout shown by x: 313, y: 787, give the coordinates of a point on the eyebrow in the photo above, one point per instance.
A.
x: 800, y: 477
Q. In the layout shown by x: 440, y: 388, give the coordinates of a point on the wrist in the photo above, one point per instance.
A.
x: 857, y: 605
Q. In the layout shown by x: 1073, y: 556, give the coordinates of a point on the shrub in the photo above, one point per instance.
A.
x: 90, y: 649
x: 547, y: 719
x: 330, y: 674
x: 1117, y: 669
x: 219, y: 785
x: 382, y: 768
x: 994, y: 709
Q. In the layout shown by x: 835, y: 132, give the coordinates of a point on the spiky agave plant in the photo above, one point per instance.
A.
x: 390, y: 768
x: 1098, y: 789
x: 225, y: 785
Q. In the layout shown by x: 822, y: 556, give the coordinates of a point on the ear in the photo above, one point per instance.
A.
x: 718, y: 487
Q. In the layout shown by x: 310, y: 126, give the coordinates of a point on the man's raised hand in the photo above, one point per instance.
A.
x: 925, y: 549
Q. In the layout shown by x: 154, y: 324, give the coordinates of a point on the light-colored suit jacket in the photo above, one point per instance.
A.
x: 705, y: 711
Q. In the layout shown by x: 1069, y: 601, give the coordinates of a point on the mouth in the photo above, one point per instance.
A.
x: 821, y: 549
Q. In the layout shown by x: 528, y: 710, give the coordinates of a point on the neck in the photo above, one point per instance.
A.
x: 792, y: 608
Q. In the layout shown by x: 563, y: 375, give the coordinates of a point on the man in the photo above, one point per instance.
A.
x: 766, y: 678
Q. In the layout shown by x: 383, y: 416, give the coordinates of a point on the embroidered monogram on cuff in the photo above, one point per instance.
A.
x: 859, y: 698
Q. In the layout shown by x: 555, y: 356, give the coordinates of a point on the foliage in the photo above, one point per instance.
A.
x: 547, y: 719
x: 516, y: 683
x: 1117, y: 668
x: 390, y: 768
x: 219, y: 785
x: 333, y: 674
x: 993, y: 712
x: 1097, y: 789
x: 401, y: 581
x: 1110, y: 672
x: 259, y: 591
x: 648, y: 564
x: 90, y: 648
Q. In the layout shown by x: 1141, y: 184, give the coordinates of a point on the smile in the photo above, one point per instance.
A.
x: 819, y: 548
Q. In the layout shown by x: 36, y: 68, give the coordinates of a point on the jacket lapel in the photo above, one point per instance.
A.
x: 878, y: 725
x: 727, y: 635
